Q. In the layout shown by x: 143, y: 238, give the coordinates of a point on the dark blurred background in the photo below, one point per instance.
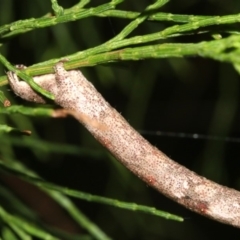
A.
x: 191, y: 95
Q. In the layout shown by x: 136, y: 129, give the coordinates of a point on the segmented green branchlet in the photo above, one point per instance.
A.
x: 117, y: 49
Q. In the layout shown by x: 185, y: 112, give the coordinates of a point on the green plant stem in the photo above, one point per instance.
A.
x: 215, y: 49
x: 25, y: 77
x: 54, y: 189
x: 23, y: 26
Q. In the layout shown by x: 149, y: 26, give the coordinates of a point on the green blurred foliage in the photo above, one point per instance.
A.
x: 179, y: 95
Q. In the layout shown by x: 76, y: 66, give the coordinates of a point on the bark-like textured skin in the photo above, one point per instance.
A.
x: 73, y: 91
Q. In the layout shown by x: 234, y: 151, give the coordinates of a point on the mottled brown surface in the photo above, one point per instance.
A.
x: 73, y: 91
